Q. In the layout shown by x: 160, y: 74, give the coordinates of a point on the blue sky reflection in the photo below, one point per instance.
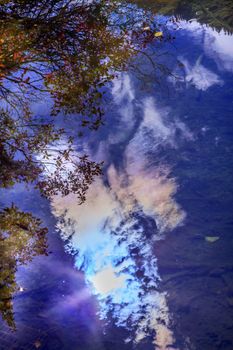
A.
x: 113, y: 233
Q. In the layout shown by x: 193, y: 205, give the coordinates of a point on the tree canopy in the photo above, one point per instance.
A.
x: 65, y: 52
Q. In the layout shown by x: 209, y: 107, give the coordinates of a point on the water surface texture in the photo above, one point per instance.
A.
x: 146, y: 262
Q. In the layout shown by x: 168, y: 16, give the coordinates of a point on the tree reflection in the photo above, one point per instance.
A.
x: 64, y: 52
x: 22, y: 139
x: 67, y: 48
x: 21, y: 238
x: 217, y: 14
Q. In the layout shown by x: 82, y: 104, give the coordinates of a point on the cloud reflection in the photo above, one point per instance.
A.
x: 216, y: 45
x: 112, y: 234
x: 116, y: 256
x: 196, y: 75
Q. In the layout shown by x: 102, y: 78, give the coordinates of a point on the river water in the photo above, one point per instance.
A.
x: 146, y: 262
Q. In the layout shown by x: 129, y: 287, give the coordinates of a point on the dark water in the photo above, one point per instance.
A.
x: 147, y: 261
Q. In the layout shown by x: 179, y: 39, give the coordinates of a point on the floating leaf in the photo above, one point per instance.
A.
x: 211, y: 239
x: 158, y: 34
x: 37, y: 344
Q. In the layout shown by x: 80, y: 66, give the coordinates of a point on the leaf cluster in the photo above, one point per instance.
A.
x: 21, y: 238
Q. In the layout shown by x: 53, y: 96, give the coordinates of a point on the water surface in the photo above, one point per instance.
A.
x: 146, y: 261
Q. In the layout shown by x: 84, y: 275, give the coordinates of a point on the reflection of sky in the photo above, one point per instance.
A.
x: 198, y: 76
x: 216, y: 45
x: 115, y: 254
x: 113, y: 232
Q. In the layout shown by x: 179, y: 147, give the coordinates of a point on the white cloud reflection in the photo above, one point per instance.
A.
x: 217, y: 45
x: 199, y: 76
x: 112, y: 234
x: 196, y: 75
x: 116, y: 255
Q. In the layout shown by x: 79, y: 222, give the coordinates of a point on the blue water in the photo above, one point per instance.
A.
x: 134, y: 267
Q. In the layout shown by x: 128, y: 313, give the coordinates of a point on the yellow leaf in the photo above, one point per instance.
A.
x: 158, y: 34
x: 211, y: 239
